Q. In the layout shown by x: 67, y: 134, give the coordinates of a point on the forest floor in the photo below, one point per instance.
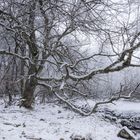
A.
x: 53, y: 122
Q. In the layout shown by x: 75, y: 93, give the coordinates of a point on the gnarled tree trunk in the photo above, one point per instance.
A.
x: 28, y: 94
x: 31, y: 82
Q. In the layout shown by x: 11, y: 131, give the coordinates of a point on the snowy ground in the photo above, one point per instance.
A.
x: 125, y: 106
x: 51, y: 122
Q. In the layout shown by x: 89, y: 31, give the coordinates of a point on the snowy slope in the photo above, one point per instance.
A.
x: 125, y: 106
x: 51, y: 122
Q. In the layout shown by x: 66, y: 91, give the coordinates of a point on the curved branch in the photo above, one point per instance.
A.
x: 116, y: 66
x: 94, y: 109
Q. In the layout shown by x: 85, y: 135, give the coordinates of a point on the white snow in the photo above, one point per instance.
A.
x: 130, y: 132
x: 125, y: 106
x: 52, y: 122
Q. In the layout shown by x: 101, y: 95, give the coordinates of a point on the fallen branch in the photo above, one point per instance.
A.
x: 73, y: 107
x: 15, y: 125
x: 94, y: 109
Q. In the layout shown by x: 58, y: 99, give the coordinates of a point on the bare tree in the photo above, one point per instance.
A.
x: 47, y: 38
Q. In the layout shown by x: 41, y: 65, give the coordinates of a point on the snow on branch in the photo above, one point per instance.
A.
x: 16, y: 55
x: 89, y: 57
x: 94, y: 109
x: 45, y: 85
x: 49, y: 79
x: 118, y: 65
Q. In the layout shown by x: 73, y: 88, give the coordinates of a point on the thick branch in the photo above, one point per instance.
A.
x: 94, y: 109
x: 116, y: 66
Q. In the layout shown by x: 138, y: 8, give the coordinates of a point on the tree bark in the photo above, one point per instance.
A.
x: 31, y: 82
x: 28, y: 94
x: 30, y: 85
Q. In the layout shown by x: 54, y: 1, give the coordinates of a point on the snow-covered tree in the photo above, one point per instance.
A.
x: 48, y: 39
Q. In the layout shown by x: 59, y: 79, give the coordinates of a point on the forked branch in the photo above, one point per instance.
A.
x: 94, y: 109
